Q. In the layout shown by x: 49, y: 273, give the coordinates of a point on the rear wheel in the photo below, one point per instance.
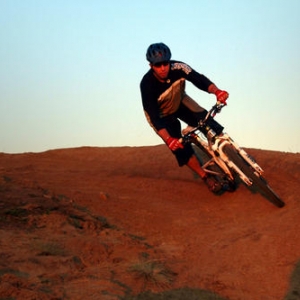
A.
x: 258, y: 182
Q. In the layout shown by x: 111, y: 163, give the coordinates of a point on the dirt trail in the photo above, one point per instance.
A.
x: 74, y: 222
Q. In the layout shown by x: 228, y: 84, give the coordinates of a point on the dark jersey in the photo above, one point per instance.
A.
x: 161, y: 99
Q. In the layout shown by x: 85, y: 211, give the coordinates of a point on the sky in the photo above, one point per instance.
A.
x: 70, y: 69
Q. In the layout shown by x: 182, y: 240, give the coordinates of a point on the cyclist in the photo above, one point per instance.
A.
x: 165, y: 102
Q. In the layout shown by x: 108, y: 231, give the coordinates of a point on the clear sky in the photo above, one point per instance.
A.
x: 70, y: 69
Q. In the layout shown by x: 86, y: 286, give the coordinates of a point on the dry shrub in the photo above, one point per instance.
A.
x: 152, y: 273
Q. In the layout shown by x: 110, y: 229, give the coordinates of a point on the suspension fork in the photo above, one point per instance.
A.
x: 239, y: 151
x: 257, y: 169
x: 226, y: 159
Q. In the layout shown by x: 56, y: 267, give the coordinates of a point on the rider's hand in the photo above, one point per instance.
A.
x: 221, y: 96
x: 173, y: 144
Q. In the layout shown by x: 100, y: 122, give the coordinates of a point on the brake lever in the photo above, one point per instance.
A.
x: 217, y: 108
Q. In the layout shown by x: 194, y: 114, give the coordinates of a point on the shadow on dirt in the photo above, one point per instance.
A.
x: 294, y: 290
x: 178, y: 294
x: 196, y: 294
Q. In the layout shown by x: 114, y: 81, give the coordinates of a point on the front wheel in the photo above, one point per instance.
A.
x: 258, y: 181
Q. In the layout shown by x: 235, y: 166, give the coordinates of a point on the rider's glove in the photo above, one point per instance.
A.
x: 221, y: 96
x: 173, y: 144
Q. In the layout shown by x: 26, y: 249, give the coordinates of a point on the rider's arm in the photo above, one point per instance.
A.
x: 173, y: 143
x: 212, y: 89
x: 181, y: 69
x: 199, y: 80
x: 164, y: 134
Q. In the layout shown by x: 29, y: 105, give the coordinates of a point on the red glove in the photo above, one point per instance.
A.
x: 173, y: 143
x: 221, y: 96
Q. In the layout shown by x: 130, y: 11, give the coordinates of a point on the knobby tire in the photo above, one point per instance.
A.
x: 258, y: 182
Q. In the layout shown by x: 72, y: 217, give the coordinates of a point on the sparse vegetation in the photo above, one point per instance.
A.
x: 16, y: 212
x: 6, y: 179
x: 13, y: 272
x: 178, y: 294
x: 59, y: 240
x: 152, y: 272
x: 48, y: 249
x: 104, y: 222
x: 76, y: 221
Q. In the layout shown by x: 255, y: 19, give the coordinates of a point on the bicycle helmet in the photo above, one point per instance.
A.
x: 158, y: 52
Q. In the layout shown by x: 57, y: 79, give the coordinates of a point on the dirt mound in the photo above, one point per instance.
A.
x: 105, y: 223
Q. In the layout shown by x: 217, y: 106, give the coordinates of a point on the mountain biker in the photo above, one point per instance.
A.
x: 165, y: 102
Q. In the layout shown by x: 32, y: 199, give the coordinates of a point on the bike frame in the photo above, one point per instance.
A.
x: 214, y: 145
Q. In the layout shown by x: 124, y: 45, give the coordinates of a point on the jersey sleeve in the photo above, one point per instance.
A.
x: 199, y: 80
x: 150, y: 106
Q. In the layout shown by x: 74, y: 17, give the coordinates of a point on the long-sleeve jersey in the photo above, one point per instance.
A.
x: 161, y: 99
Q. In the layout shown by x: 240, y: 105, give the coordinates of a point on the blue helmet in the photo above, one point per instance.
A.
x: 158, y: 52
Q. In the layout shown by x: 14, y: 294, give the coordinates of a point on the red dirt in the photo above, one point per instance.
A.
x: 73, y: 222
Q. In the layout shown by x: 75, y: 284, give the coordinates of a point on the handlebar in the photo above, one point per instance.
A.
x: 211, y: 113
x: 214, y: 110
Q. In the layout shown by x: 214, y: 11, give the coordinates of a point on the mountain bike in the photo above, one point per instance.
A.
x: 224, y: 159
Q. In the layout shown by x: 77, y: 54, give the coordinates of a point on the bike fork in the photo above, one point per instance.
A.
x: 257, y: 169
x: 227, y: 140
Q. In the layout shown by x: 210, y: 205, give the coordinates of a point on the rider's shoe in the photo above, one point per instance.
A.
x: 228, y: 186
x: 212, y: 184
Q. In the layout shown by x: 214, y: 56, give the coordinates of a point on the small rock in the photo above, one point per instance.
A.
x: 103, y: 196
